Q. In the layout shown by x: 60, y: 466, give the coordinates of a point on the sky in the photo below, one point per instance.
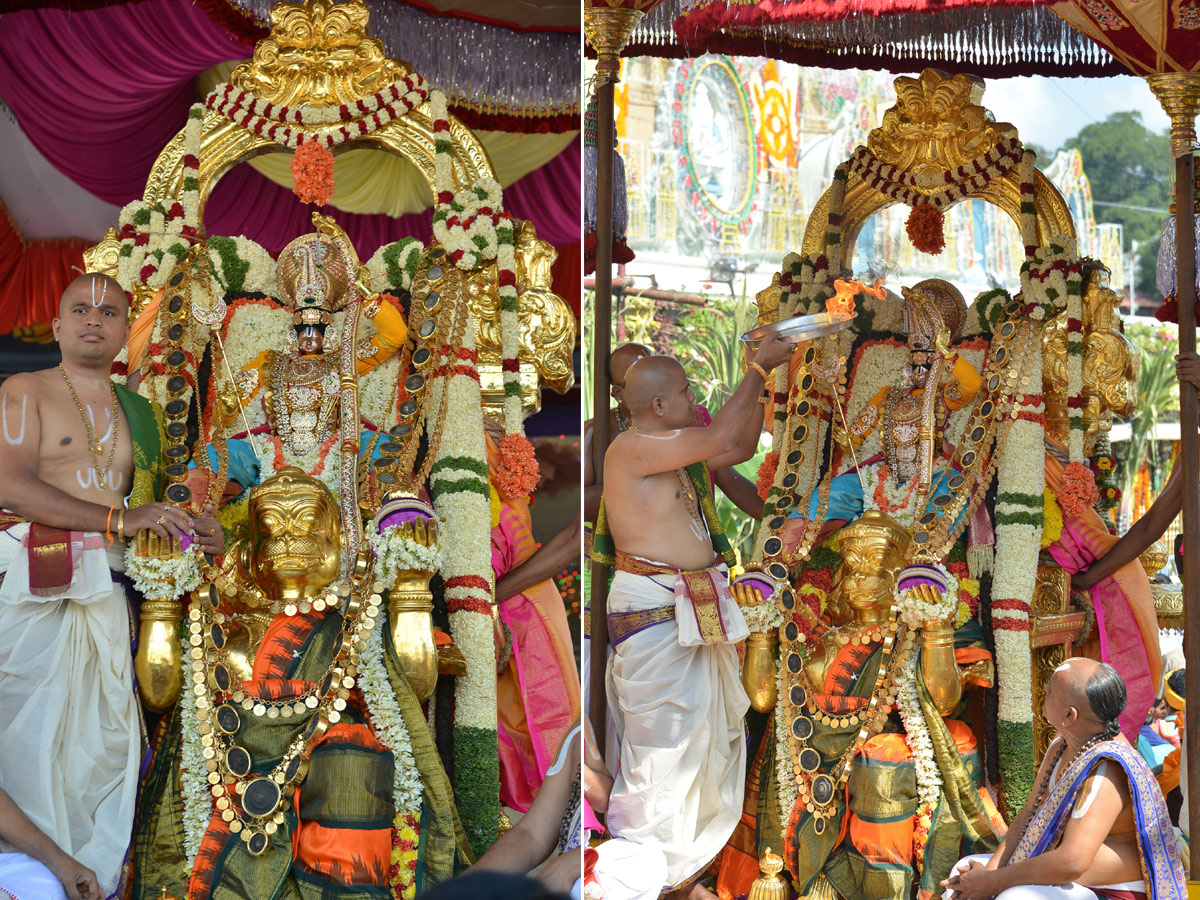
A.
x: 1049, y: 111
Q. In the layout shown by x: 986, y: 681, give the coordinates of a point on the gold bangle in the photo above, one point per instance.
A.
x: 121, y: 525
x: 759, y: 369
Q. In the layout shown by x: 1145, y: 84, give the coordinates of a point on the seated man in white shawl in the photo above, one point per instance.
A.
x: 74, y: 448
x: 674, y: 686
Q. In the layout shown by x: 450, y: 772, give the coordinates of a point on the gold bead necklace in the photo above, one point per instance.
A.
x: 95, y: 447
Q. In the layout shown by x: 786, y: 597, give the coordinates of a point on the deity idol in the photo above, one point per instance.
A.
x: 300, y: 387
x: 299, y: 717
x: 861, y: 812
x: 909, y: 417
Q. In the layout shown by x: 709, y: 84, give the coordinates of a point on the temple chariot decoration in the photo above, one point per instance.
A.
x: 925, y: 450
x: 346, y: 399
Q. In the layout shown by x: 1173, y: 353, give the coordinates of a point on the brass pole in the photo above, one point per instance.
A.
x: 1179, y: 94
x: 607, y: 29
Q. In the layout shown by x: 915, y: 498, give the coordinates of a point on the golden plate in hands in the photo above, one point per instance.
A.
x: 798, y: 329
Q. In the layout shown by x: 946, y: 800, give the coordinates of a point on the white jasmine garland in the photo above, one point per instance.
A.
x: 193, y: 785
x: 473, y: 635
x: 916, y: 734
x: 466, y: 515
x: 399, y: 279
x: 259, y: 277
x: 915, y: 612
x: 784, y: 776
x: 1020, y: 474
x: 388, y: 723
x: 398, y: 553
x: 897, y: 497
x: 155, y: 237
x: 163, y: 577
x: 764, y: 617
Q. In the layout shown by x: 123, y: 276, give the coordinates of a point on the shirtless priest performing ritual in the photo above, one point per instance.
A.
x: 83, y: 467
x: 937, y: 472
x: 673, y: 683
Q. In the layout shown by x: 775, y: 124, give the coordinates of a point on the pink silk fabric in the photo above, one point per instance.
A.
x: 1125, y: 618
x: 537, y: 695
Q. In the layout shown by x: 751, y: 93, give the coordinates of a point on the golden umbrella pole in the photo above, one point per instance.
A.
x: 1179, y: 94
x: 607, y: 29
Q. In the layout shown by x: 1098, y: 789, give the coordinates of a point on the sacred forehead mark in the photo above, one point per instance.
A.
x: 103, y: 290
x: 20, y: 438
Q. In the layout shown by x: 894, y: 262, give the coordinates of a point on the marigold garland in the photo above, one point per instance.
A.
x: 1052, y: 519
x: 1078, y: 490
x: 519, y: 473
x: 402, y: 873
x: 926, y: 228
x: 312, y: 172
x: 766, y: 474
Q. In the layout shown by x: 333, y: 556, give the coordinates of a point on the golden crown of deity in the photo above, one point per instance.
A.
x: 931, y: 304
x: 315, y: 275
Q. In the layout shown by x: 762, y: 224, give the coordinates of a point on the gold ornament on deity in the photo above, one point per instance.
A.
x: 290, y: 554
x: 318, y: 54
x: 410, y: 602
x: 873, y: 551
x: 291, y: 551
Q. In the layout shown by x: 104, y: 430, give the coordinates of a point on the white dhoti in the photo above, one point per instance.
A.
x: 679, y: 713
x: 24, y: 878
x: 70, y: 734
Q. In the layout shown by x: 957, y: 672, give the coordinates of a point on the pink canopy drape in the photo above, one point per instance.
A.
x: 99, y: 93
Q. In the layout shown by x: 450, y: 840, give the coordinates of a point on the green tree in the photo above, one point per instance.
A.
x: 1158, y: 400
x: 1128, y: 164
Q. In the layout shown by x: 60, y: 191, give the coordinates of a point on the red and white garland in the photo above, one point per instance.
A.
x: 948, y: 187
x: 156, y: 236
x: 926, y: 223
x: 340, y: 123
x: 474, y: 228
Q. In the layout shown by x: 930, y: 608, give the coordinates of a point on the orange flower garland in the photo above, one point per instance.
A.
x: 1078, y: 490
x: 926, y: 228
x: 312, y: 171
x: 518, y: 470
x: 766, y: 474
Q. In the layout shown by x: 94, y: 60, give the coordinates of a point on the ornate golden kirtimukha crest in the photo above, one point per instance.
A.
x: 937, y: 120
x: 318, y: 54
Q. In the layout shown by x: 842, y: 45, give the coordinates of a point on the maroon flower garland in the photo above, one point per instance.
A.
x: 926, y: 223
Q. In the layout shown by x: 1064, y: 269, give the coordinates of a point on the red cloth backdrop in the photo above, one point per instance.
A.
x: 33, y: 274
x: 99, y: 93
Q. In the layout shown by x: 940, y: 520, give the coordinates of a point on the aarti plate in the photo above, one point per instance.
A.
x: 799, y: 329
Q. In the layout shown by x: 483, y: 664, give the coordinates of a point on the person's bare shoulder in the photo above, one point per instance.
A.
x: 24, y: 383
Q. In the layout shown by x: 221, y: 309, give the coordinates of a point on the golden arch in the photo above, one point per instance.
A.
x: 289, y: 68
x: 936, y: 125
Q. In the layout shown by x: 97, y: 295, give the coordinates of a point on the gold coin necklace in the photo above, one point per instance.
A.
x: 95, y: 448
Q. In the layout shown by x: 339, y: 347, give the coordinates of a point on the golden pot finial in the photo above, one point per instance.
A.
x: 1179, y: 95
x: 1153, y: 558
x: 608, y: 29
x: 770, y: 885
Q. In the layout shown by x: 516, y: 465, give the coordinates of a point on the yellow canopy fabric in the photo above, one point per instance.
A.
x: 374, y: 181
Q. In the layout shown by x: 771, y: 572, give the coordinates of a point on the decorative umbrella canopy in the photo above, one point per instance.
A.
x: 1145, y: 36
x: 979, y: 37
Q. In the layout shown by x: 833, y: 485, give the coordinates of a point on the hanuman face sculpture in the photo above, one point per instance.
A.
x: 292, y: 549
x: 873, y: 552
